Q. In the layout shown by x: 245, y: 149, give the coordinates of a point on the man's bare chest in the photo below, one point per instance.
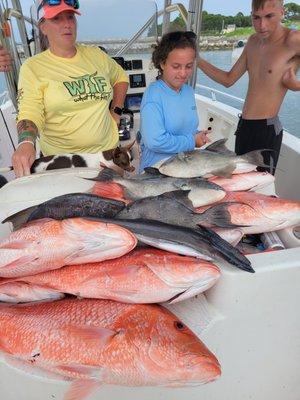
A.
x: 268, y: 64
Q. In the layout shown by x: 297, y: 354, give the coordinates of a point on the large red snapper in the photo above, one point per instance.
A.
x: 257, y: 213
x: 142, y: 276
x: 95, y: 342
x: 49, y: 244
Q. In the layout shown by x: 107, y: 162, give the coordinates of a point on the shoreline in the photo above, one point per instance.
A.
x: 146, y: 45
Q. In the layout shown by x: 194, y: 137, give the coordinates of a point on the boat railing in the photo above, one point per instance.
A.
x: 214, y: 92
x: 153, y: 19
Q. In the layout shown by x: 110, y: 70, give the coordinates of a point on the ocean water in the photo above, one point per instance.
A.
x: 290, y: 110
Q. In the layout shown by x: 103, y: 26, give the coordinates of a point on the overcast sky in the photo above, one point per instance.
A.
x: 128, y: 16
x: 227, y: 7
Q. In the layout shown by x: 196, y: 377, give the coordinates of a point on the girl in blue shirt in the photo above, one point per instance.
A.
x: 169, y: 119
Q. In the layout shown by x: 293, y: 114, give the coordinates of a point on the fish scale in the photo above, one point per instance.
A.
x: 105, y: 341
x: 41, y: 244
x: 142, y: 276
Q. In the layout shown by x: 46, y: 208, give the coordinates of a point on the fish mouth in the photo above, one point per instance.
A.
x: 200, y: 373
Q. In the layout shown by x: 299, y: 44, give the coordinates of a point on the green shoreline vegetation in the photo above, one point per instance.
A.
x: 218, y: 25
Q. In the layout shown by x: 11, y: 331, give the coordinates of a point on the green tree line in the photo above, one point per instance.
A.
x: 216, y: 22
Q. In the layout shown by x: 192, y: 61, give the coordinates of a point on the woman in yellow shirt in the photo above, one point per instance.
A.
x: 65, y: 92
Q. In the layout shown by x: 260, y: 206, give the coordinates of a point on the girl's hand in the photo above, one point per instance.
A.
x: 201, y: 138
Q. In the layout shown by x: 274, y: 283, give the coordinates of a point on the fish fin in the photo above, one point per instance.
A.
x: 224, y: 172
x: 110, y: 190
x: 29, y: 367
x: 22, y: 292
x: 181, y: 196
x: 219, y: 147
x: 102, y: 335
x: 81, y: 389
x: 87, y: 370
x: 10, y: 258
x: 15, y: 246
x: 218, y: 215
x: 153, y: 171
x: 20, y: 218
x: 255, y: 157
x: 4, y: 348
x: 105, y: 175
x: 195, y: 289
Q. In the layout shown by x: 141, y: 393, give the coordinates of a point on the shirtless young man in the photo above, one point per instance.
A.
x: 271, y: 58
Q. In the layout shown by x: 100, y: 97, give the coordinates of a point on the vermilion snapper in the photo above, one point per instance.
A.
x: 95, y: 342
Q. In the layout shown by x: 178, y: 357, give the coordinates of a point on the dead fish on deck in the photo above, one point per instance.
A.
x: 201, y: 242
x: 145, y: 275
x: 94, y: 342
x: 260, y: 213
x: 176, y: 208
x: 248, y: 181
x: 69, y: 206
x: 153, y: 183
x: 205, y: 163
x: 49, y: 244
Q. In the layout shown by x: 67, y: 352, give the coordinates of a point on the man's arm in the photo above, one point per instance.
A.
x: 119, y: 94
x: 225, y: 78
x: 289, y: 78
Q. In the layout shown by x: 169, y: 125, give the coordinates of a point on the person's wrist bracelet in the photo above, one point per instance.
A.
x: 26, y: 141
x: 25, y: 135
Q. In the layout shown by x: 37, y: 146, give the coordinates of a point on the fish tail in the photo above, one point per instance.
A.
x: 110, y: 190
x: 105, y: 175
x: 255, y: 157
x: 228, y: 252
x: 218, y: 215
x: 20, y: 218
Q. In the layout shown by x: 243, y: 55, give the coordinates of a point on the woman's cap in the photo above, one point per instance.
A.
x: 47, y: 11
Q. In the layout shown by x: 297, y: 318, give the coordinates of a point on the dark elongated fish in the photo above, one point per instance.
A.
x: 176, y: 208
x: 199, y: 242
x: 69, y: 206
x: 153, y: 183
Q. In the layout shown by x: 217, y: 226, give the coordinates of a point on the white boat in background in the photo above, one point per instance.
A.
x: 249, y: 321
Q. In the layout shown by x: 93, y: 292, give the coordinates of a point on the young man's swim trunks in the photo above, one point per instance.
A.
x: 260, y: 134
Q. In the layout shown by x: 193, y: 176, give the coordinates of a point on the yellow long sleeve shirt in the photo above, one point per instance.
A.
x: 68, y: 100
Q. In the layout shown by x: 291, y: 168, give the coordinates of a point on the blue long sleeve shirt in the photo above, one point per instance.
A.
x: 169, y: 122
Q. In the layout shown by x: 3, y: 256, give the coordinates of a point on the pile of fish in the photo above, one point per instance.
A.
x: 162, y: 236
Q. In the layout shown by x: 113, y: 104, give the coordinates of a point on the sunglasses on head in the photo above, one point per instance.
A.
x: 189, y: 35
x: 71, y: 3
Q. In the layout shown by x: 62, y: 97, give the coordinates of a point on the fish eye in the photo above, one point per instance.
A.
x: 186, y: 186
x: 179, y: 325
